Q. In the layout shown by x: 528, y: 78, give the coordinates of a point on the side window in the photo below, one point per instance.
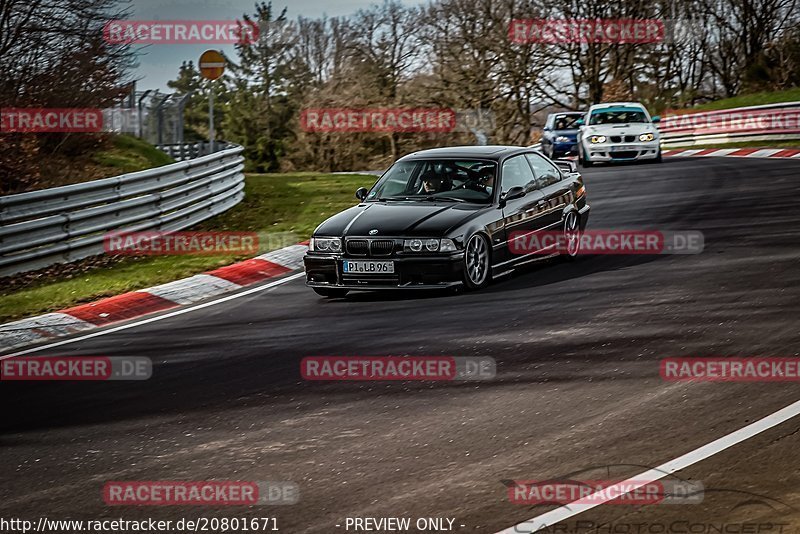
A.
x: 516, y: 171
x: 546, y: 173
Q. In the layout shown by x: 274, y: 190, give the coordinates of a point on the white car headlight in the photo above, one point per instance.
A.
x: 447, y: 245
x: 562, y: 139
x: 325, y: 244
x: 646, y: 137
x: 597, y: 139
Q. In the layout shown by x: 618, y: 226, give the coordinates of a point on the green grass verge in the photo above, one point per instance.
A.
x: 745, y: 144
x: 130, y: 154
x: 755, y: 99
x: 286, y: 207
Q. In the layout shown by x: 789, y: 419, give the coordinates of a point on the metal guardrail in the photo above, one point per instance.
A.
x: 770, y: 122
x: 186, y: 151
x: 64, y: 224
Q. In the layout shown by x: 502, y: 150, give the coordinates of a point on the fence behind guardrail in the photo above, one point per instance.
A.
x: 63, y: 224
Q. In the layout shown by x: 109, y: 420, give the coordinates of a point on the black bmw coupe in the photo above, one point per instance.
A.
x: 446, y: 217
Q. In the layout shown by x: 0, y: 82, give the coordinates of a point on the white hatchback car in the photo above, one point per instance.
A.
x: 618, y: 131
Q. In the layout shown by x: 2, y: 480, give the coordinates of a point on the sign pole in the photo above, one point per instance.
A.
x: 212, y: 65
x: 211, y: 117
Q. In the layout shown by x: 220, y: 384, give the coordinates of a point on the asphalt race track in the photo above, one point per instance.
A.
x: 578, y: 391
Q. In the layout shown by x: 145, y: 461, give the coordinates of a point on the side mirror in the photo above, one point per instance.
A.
x: 361, y: 193
x: 546, y: 129
x: 656, y: 118
x: 567, y: 166
x: 580, y: 122
x: 515, y: 192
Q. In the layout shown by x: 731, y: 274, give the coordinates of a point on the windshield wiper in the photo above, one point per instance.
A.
x: 384, y: 199
x: 434, y: 198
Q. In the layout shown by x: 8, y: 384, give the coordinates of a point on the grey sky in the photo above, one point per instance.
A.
x: 159, y: 63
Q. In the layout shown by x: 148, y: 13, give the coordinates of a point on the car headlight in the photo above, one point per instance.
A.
x: 429, y: 245
x: 325, y: 244
x: 597, y: 139
x: 646, y: 137
x: 562, y: 139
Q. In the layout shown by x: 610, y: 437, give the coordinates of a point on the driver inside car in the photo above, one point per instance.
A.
x: 432, y: 183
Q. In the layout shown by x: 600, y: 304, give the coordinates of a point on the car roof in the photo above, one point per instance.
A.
x: 617, y: 104
x: 494, y: 152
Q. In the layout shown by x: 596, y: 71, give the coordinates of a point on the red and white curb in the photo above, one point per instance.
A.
x: 792, y: 153
x: 146, y: 301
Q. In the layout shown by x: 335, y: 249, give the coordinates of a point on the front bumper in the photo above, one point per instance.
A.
x: 565, y: 149
x: 611, y: 151
x: 410, y: 272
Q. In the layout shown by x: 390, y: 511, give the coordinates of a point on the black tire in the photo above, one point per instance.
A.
x: 330, y: 292
x: 477, y: 271
x: 658, y: 158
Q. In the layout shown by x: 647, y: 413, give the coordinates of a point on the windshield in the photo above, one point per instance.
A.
x: 566, y: 122
x: 617, y: 116
x: 446, y: 180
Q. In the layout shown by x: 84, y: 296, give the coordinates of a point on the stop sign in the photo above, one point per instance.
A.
x: 212, y: 64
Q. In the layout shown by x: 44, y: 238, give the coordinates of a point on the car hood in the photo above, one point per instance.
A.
x: 633, y: 128
x: 392, y: 219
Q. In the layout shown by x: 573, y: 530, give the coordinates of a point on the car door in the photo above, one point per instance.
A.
x: 556, y: 191
x: 520, y: 215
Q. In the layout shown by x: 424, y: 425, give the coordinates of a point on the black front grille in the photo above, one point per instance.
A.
x: 381, y: 247
x: 357, y: 247
x: 628, y: 154
x: 615, y: 139
x: 630, y: 138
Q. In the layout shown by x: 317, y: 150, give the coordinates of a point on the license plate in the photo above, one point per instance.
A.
x: 623, y: 148
x: 361, y: 266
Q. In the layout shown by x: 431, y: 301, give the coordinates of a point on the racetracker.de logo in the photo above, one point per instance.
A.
x: 634, y: 492
x: 730, y: 369
x: 397, y: 368
x: 180, y: 32
x: 552, y: 31
x: 353, y: 120
x: 200, y: 493
x: 180, y: 243
x: 606, y: 242
x: 50, y: 120
x: 75, y: 368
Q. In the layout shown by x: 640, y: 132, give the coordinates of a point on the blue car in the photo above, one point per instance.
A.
x: 560, y: 136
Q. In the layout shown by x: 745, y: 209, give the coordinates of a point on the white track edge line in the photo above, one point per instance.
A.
x: 167, y: 315
x: 706, y: 451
